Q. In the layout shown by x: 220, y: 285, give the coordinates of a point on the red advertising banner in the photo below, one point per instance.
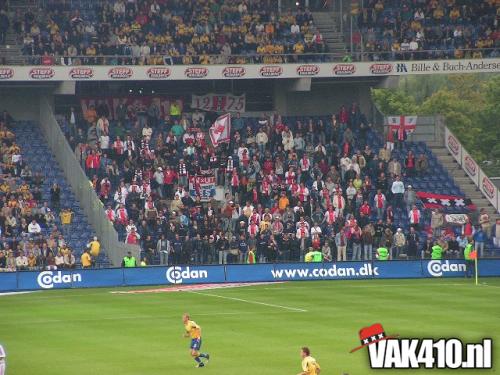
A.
x: 453, y: 145
x: 488, y: 188
x: 133, y: 103
x: 470, y: 167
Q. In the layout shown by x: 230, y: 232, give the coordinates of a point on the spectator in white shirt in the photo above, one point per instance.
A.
x: 21, y: 261
x: 413, y: 45
x: 405, y: 46
x: 119, y: 8
x: 147, y: 132
x: 34, y: 227
x: 59, y: 260
x: 398, y: 189
x: 104, y: 142
x: 302, y: 232
x: 261, y: 139
x: 316, y: 229
x: 145, y: 50
x: 295, y: 29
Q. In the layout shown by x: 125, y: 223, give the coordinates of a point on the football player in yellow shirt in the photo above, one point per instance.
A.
x: 309, y: 364
x: 193, y: 331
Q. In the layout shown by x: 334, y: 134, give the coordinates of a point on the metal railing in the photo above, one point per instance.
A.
x: 81, y: 187
x: 356, y: 56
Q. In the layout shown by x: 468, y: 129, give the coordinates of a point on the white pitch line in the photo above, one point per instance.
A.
x: 14, y: 293
x: 248, y: 301
x: 133, y: 317
x: 488, y: 285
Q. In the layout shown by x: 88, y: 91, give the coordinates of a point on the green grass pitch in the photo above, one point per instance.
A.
x: 247, y: 330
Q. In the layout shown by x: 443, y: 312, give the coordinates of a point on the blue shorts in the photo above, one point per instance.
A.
x: 195, y: 344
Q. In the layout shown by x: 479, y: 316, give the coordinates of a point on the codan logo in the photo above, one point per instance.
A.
x: 196, y: 72
x: 437, y: 269
x: 47, y: 279
x: 42, y: 73
x: 6, y: 73
x: 120, y: 73
x: 233, y: 71
x: 271, y: 71
x: 81, y: 73
x: 158, y: 72
x: 177, y: 275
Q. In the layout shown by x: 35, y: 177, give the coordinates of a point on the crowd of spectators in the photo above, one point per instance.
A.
x: 29, y: 236
x: 157, y: 32
x: 429, y: 29
x: 289, y: 187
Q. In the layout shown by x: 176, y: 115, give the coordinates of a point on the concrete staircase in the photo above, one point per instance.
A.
x: 461, y: 178
x: 12, y: 50
x: 11, y: 53
x: 327, y: 25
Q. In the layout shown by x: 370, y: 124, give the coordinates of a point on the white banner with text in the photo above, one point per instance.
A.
x: 219, y: 102
x: 246, y: 71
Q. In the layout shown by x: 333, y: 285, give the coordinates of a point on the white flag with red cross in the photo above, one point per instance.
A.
x: 406, y: 123
x: 220, y: 131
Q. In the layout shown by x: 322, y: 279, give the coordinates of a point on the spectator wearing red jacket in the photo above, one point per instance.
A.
x: 93, y: 163
x: 169, y: 177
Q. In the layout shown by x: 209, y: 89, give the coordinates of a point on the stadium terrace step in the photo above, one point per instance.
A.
x: 326, y: 24
x: 29, y: 137
x: 461, y: 179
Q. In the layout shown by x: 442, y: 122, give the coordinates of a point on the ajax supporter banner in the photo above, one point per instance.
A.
x: 247, y: 71
x: 175, y: 275
x: 219, y: 102
x: 133, y: 103
x: 202, y: 186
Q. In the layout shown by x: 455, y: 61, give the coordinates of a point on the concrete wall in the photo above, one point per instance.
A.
x: 325, y: 97
x: 21, y: 103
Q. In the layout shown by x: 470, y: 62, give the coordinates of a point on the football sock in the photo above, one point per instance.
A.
x: 202, y: 355
x: 197, y: 359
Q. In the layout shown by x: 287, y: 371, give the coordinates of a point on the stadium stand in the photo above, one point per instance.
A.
x: 35, y: 204
x: 269, y: 186
x: 166, y: 32
x: 429, y: 29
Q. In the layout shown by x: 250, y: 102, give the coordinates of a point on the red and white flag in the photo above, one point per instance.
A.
x: 432, y: 200
x: 406, y: 123
x: 220, y: 131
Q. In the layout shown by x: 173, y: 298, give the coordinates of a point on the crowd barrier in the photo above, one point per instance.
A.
x: 114, y: 277
x: 472, y: 169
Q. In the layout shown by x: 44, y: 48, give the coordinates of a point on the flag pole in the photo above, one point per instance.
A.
x: 475, y: 270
